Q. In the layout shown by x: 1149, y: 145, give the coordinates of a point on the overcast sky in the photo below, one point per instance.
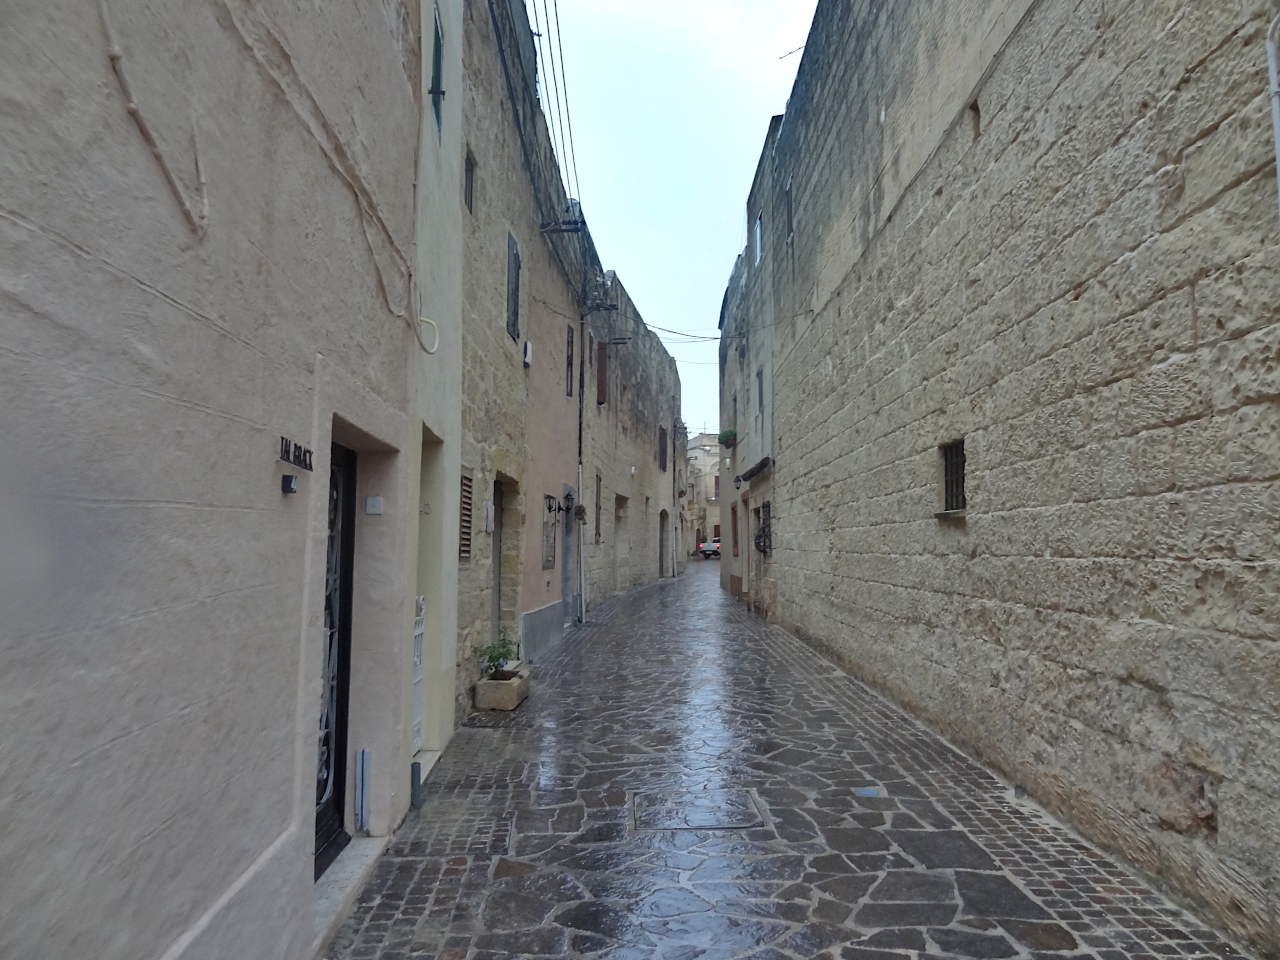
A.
x: 670, y: 102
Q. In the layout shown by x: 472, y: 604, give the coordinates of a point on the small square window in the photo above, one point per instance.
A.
x: 953, y: 461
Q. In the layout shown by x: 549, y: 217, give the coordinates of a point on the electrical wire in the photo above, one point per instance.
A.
x: 568, y: 113
x: 555, y: 82
x: 546, y: 71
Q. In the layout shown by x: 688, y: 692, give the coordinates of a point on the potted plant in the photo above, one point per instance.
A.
x: 504, y: 681
x: 728, y: 438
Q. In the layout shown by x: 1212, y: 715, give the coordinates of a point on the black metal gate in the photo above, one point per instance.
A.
x: 331, y: 766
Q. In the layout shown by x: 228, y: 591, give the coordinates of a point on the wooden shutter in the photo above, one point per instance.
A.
x: 602, y: 372
x: 513, y: 288
x: 464, y: 520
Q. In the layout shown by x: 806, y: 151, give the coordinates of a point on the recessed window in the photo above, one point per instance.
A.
x: 791, y: 215
x: 602, y: 372
x: 759, y: 248
x: 662, y: 448
x: 953, y: 495
x: 568, y: 363
x: 513, y: 288
x: 975, y: 119
x: 469, y: 182
x: 437, y: 75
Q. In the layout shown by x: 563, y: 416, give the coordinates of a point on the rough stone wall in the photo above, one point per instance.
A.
x: 643, y: 394
x: 520, y: 423
x: 167, y: 311
x: 1079, y: 278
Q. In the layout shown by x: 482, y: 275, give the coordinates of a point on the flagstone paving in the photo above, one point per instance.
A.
x: 688, y: 782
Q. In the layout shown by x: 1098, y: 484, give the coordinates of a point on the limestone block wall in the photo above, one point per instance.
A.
x: 622, y: 437
x: 178, y: 290
x: 520, y: 424
x: 1051, y: 231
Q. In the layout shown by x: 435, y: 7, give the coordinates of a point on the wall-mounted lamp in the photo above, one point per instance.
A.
x: 737, y: 483
x: 568, y: 502
x: 553, y: 505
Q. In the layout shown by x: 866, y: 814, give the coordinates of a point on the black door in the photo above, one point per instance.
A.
x: 331, y: 767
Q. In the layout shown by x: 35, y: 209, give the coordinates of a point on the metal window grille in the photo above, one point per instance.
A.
x: 953, y: 496
x: 464, y: 520
x: 764, y: 527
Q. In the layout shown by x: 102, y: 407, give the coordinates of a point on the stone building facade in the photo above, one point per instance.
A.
x: 571, y: 405
x: 232, y: 451
x: 1017, y: 274
x: 704, y: 456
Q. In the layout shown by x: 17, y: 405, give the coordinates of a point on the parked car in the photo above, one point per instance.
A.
x: 710, y: 549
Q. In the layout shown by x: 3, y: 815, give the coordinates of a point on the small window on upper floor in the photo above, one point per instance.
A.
x: 791, y: 215
x: 469, y: 182
x: 662, y: 448
x: 954, y: 499
x: 513, y: 288
x: 759, y: 389
x: 759, y: 249
x: 436, y: 91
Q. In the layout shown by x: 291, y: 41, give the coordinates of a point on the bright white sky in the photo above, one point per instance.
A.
x: 670, y: 101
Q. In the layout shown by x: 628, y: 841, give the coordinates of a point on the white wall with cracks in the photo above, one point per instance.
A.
x: 207, y: 241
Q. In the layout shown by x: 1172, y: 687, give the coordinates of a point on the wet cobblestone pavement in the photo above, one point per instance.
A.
x: 687, y: 782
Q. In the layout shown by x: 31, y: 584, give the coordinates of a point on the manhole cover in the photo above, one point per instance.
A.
x: 696, y: 810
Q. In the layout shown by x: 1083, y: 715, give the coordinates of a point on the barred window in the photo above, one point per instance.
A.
x: 953, y: 495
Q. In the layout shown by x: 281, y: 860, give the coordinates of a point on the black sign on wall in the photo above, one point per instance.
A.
x: 295, y: 453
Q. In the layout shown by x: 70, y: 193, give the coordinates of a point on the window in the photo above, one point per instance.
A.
x: 733, y: 523
x: 717, y: 493
x: 759, y: 389
x: 662, y: 449
x: 602, y: 373
x: 469, y: 182
x: 791, y: 217
x: 759, y: 250
x: 568, y: 362
x: 715, y: 532
x: 437, y: 75
x: 591, y: 349
x: 513, y: 288
x: 464, y: 520
x: 598, y: 483
x: 953, y: 495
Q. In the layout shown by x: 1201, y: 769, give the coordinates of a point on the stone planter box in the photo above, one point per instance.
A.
x: 505, y: 690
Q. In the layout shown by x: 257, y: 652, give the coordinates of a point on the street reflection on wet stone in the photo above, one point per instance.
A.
x: 687, y: 782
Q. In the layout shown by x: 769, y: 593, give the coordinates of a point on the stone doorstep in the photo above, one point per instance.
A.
x: 335, y: 892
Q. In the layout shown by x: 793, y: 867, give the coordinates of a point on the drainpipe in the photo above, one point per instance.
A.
x: 1273, y: 65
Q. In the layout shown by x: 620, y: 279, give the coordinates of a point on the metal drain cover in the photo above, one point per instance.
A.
x: 696, y: 810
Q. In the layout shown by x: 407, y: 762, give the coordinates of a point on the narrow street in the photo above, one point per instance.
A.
x: 686, y: 781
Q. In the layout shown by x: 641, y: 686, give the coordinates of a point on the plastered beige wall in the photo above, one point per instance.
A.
x: 164, y: 318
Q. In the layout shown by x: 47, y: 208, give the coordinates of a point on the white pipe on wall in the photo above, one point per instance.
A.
x: 1273, y: 68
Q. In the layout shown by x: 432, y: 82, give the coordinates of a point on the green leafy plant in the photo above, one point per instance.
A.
x: 728, y: 438
x: 495, y: 656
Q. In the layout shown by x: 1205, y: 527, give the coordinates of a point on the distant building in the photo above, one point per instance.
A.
x: 704, y: 487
